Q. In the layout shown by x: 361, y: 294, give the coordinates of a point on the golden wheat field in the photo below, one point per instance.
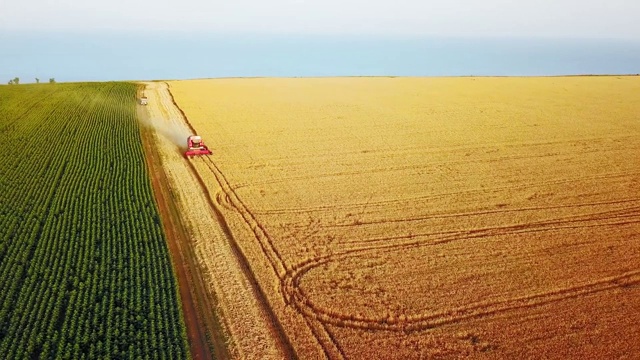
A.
x: 404, y: 218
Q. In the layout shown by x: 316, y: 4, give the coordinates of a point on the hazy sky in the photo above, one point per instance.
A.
x: 545, y: 18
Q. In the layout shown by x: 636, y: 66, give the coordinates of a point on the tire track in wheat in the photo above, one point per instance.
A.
x: 330, y: 348
x: 610, y: 218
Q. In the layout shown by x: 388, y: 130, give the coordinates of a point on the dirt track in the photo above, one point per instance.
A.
x: 176, y: 236
x: 220, y: 285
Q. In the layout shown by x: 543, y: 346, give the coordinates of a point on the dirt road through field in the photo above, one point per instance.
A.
x: 218, y: 283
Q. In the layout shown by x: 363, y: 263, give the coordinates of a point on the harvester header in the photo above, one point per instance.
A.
x: 195, y: 147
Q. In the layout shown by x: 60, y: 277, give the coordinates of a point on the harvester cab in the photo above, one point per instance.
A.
x: 143, y: 100
x: 196, y: 147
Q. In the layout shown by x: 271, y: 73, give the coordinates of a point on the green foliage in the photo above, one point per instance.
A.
x: 84, y: 271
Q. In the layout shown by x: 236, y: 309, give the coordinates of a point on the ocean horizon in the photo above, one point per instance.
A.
x: 171, y: 56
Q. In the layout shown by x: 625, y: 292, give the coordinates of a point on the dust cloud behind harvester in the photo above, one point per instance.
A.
x: 173, y: 131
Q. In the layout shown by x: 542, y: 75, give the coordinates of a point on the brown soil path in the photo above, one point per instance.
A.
x: 212, y: 281
x: 196, y: 329
x: 192, y: 296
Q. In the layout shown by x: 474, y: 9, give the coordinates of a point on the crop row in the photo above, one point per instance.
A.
x: 84, y: 266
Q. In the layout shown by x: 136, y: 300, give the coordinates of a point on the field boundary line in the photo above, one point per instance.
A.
x: 191, y: 295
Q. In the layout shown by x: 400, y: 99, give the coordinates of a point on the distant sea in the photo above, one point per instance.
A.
x: 145, y: 56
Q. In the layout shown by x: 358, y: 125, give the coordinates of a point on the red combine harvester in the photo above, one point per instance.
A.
x: 195, y: 147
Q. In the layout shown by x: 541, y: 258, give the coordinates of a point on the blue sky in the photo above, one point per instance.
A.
x: 466, y: 18
x: 75, y: 40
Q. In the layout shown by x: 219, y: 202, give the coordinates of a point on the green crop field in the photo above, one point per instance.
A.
x: 84, y: 267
